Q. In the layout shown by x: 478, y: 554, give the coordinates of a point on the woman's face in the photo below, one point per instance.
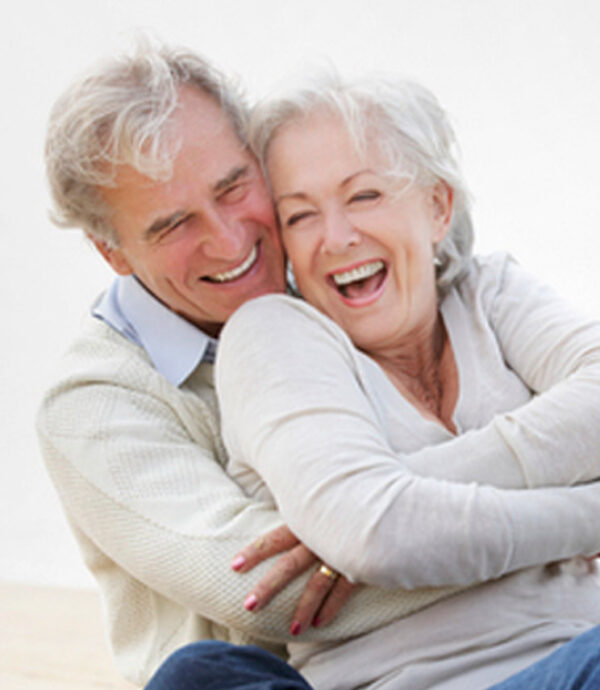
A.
x: 360, y: 242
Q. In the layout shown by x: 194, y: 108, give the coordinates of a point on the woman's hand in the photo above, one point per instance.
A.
x: 325, y: 593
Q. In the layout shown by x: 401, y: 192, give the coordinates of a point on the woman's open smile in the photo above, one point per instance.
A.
x: 361, y: 284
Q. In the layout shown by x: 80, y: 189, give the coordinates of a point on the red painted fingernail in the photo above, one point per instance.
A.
x: 238, y: 562
x: 295, y: 628
x: 251, y: 602
x: 316, y: 621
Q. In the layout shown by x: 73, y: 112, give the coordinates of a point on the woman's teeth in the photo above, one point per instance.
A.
x: 359, y: 273
x: 238, y: 271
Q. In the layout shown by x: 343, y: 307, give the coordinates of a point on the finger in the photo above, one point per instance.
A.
x: 337, y: 597
x: 317, y: 589
x: 274, y: 542
x: 286, y: 568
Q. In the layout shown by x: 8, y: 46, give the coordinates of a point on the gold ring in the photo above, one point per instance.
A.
x: 328, y: 572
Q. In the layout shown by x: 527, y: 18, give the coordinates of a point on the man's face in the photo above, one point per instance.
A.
x: 206, y: 240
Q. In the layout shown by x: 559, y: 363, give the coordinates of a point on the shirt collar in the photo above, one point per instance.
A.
x: 174, y: 345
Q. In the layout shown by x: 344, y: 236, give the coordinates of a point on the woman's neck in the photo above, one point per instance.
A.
x: 423, y: 369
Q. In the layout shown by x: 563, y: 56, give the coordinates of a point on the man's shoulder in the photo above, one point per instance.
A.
x: 99, y: 350
x: 98, y: 358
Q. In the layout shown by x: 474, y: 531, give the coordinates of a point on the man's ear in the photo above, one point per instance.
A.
x: 442, y: 196
x: 113, y: 256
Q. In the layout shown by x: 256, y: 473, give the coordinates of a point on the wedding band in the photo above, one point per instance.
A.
x: 328, y: 572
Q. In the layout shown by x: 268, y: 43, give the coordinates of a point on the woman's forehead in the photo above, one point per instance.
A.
x: 318, y: 137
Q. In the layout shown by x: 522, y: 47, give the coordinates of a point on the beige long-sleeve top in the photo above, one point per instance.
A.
x: 366, y: 482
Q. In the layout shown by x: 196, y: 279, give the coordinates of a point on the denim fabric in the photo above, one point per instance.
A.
x: 575, y: 666
x: 222, y: 666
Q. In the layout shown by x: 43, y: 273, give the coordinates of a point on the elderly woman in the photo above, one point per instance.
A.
x: 396, y: 415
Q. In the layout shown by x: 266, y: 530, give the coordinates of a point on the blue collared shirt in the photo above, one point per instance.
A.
x: 174, y: 345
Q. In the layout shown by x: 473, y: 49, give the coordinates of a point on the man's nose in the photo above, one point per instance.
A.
x: 338, y: 233
x: 223, y: 237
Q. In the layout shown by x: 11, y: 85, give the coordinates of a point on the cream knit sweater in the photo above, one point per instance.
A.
x: 138, y: 464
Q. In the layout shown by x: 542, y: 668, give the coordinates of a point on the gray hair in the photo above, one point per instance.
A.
x: 115, y: 115
x: 409, y: 127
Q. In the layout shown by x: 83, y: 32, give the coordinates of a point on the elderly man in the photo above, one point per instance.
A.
x: 147, y: 155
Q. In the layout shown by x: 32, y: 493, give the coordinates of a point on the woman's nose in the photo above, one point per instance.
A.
x: 339, y: 234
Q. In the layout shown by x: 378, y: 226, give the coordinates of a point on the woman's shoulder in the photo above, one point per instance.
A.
x: 278, y: 333
x: 279, y: 315
x: 279, y: 304
x: 488, y: 268
x: 485, y: 277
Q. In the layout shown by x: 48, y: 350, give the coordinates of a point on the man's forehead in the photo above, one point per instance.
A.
x: 207, y: 157
x: 200, y: 141
x: 199, y: 115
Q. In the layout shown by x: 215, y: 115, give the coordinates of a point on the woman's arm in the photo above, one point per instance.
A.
x: 554, y: 440
x: 556, y: 352
x: 294, y: 403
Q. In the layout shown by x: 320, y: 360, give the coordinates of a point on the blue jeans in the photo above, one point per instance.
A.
x: 221, y: 666
x: 574, y: 666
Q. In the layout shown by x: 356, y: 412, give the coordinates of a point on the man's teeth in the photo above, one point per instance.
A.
x: 238, y: 271
x: 359, y: 273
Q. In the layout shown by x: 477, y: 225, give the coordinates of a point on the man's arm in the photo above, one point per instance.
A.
x: 152, y: 500
x: 135, y: 465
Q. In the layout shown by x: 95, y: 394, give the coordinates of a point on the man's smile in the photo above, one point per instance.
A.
x: 234, y: 273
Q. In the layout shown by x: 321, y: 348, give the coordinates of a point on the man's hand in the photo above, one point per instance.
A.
x: 325, y: 592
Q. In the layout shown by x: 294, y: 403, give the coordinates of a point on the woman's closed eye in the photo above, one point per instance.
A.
x: 295, y: 218
x: 365, y: 195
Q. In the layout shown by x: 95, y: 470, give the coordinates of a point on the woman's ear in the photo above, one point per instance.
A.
x: 442, y: 197
x: 113, y: 256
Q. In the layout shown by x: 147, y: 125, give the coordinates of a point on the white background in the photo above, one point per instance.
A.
x: 521, y: 79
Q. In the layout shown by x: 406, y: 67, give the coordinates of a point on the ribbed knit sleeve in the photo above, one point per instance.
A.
x: 138, y: 465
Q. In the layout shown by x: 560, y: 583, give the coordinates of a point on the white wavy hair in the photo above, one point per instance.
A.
x: 411, y: 130
x: 115, y: 114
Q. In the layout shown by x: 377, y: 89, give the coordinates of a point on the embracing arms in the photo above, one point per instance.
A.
x: 138, y: 466
x: 315, y: 439
x: 553, y: 440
